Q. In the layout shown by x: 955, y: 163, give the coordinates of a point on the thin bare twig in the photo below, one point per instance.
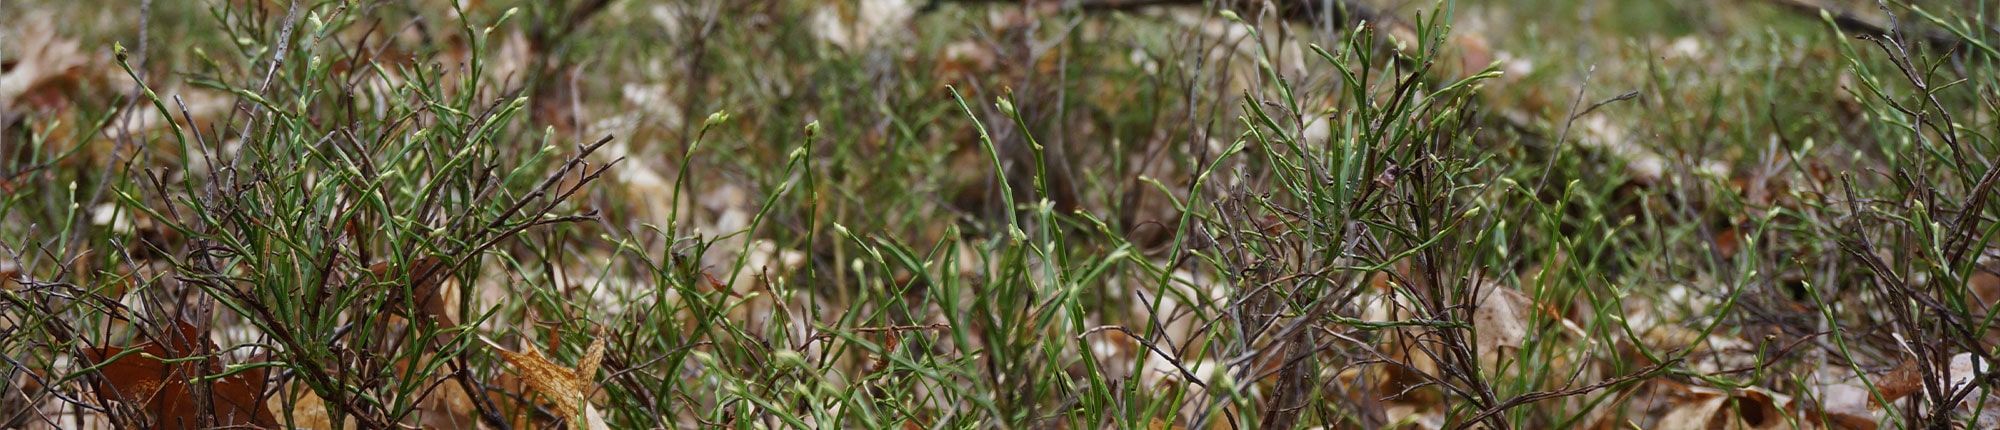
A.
x: 1537, y: 396
x: 1854, y: 22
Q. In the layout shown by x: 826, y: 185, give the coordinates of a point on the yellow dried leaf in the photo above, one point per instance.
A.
x: 587, y: 366
x: 565, y: 387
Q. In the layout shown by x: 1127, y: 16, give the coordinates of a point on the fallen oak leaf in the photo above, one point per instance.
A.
x: 48, y: 70
x: 1845, y: 406
x: 1965, y: 369
x: 568, y: 388
x: 1908, y: 377
x: 427, y: 277
x: 159, y: 375
x: 1902, y: 381
x: 1698, y: 406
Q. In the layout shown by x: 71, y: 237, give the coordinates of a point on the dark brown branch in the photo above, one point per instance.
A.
x: 1873, y: 26
x: 1344, y: 11
x: 1171, y: 359
x: 1545, y: 395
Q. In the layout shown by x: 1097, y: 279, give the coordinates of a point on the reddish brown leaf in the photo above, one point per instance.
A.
x: 1986, y: 286
x: 1905, y: 379
x: 10, y: 277
x: 429, y: 274
x: 165, y: 390
x: 882, y: 362
x: 1728, y: 242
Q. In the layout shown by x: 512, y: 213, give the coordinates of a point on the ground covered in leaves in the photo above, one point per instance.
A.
x: 1000, y: 214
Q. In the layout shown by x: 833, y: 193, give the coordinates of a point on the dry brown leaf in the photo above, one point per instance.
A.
x: 1502, y: 321
x: 164, y: 389
x: 965, y: 59
x: 1707, y: 408
x: 1964, y: 368
x: 308, y: 411
x: 1695, y: 411
x: 429, y: 276
x: 1757, y: 408
x: 1846, y: 406
x: 444, y: 407
x: 10, y: 276
x: 1986, y: 286
x: 1905, y: 379
x: 1415, y: 415
x: 1728, y: 242
x: 567, y: 388
x: 47, y: 71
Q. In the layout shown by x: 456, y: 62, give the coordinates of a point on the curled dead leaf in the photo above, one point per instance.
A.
x: 1694, y: 407
x: 569, y: 389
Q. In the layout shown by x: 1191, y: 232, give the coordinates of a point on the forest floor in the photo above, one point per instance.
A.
x: 1000, y: 214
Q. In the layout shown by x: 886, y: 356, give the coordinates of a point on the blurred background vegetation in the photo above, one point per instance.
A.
x: 999, y: 214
